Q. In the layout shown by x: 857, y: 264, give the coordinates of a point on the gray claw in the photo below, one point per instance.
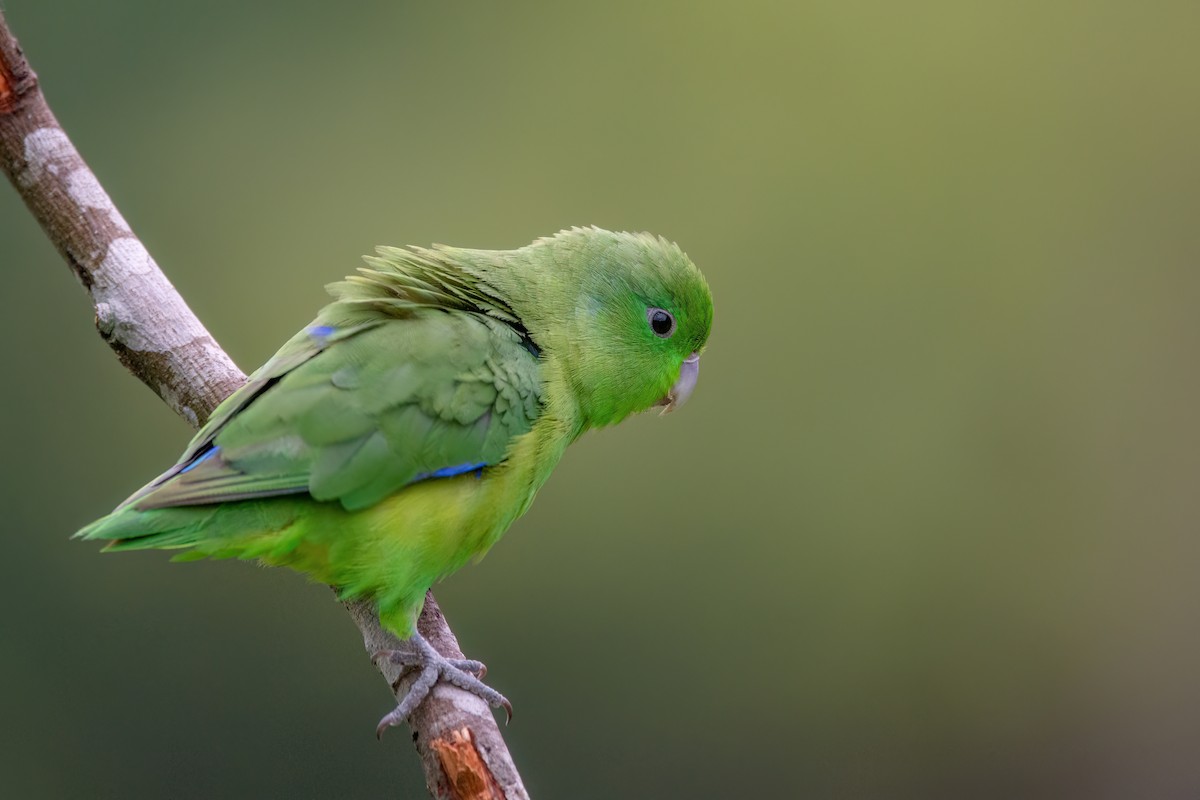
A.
x: 465, y: 673
x: 477, y: 668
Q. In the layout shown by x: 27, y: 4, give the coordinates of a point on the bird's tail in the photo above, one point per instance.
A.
x: 130, y: 529
x: 244, y: 529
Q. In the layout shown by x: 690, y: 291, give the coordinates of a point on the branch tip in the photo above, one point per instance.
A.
x: 17, y: 80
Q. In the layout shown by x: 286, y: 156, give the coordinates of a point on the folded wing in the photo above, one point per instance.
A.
x: 353, y: 414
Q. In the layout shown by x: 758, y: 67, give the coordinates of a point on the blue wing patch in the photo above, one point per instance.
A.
x: 450, y: 472
x: 320, y: 333
x: 203, y: 457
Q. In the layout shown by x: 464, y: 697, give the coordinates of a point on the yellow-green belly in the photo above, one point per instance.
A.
x: 393, y: 551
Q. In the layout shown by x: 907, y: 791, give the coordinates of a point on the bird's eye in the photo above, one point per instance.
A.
x: 661, y: 322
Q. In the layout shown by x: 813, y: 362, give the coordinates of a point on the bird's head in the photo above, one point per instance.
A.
x: 624, y: 315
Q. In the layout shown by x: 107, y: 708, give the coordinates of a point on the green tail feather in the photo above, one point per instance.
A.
x: 239, y: 529
x: 130, y: 529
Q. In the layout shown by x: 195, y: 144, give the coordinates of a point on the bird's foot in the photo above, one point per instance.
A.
x: 421, y: 656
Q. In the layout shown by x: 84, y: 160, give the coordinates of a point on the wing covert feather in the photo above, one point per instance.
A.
x: 354, y: 416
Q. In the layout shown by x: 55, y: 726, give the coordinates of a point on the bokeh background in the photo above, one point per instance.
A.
x: 928, y: 527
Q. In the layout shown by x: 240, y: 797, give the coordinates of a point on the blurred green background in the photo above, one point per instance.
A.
x: 928, y: 527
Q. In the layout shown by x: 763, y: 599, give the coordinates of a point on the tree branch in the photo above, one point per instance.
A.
x: 158, y: 338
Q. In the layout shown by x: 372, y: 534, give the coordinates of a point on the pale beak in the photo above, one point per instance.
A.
x: 689, y: 373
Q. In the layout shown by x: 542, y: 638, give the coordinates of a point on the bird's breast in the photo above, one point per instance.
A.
x: 453, y: 520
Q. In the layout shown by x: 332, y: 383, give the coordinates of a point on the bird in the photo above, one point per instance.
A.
x: 401, y: 433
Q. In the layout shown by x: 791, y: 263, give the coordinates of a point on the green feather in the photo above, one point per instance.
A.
x: 427, y: 362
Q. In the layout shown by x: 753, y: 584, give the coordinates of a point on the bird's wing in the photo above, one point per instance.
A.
x: 354, y: 415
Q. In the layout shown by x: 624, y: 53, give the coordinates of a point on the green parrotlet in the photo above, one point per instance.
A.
x: 400, y: 434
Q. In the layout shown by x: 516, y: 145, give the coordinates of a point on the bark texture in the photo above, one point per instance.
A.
x: 158, y: 338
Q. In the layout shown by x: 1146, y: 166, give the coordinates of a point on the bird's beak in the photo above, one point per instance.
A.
x: 689, y: 373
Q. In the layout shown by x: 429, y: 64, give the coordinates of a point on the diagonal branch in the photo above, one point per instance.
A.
x: 158, y: 338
